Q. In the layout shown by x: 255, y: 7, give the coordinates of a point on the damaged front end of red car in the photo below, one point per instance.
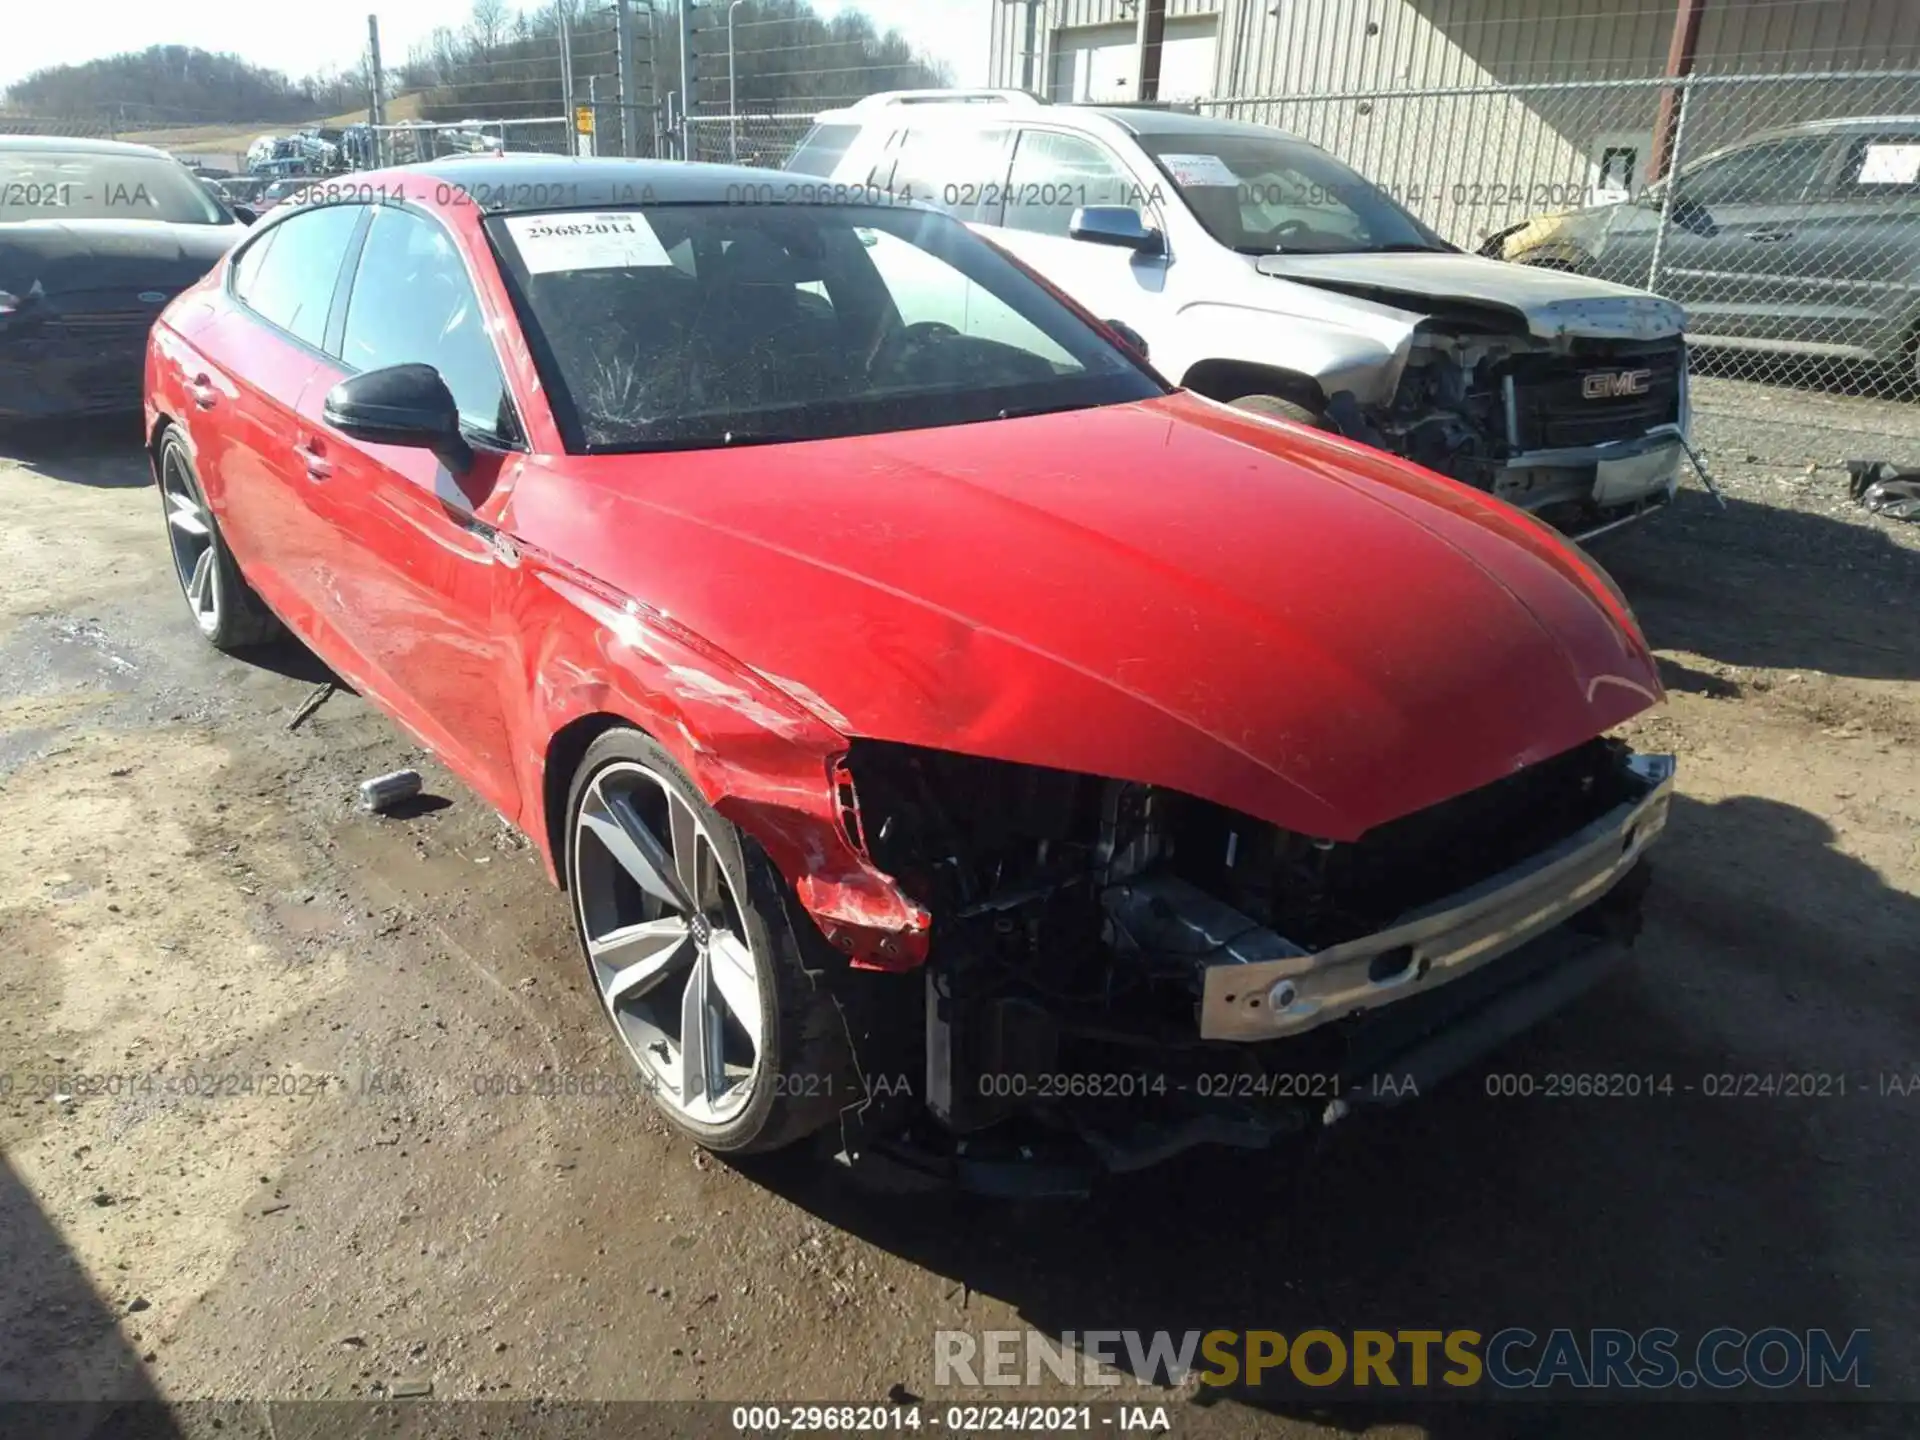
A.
x: 1118, y: 972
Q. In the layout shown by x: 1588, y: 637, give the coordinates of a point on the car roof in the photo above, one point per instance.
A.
x: 1839, y: 124
x: 514, y: 183
x: 72, y: 143
x: 1150, y: 120
x: 1133, y: 120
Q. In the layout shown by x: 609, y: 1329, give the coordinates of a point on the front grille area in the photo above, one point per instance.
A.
x: 1319, y: 895
x: 1553, y: 409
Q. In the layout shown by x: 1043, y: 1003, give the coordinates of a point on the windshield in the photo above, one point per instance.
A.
x: 81, y: 185
x: 1270, y: 194
x: 697, y: 326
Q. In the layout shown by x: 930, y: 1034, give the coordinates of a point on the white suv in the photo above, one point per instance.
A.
x: 1260, y: 271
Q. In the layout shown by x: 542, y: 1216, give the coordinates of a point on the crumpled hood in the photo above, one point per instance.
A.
x: 1549, y: 303
x: 1172, y: 592
x: 67, y: 256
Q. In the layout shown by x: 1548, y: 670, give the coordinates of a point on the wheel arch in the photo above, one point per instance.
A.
x: 566, y: 748
x: 758, y: 757
x: 1229, y: 380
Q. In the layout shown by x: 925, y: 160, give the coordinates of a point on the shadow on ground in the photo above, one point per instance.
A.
x: 66, y: 1369
x: 104, y: 452
x: 1464, y: 1210
x: 1772, y: 588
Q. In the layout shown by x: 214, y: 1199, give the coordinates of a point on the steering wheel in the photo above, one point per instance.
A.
x: 1293, y: 226
x: 921, y: 332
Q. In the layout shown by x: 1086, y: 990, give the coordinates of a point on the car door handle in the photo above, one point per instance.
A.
x: 202, y: 391
x: 1767, y: 237
x: 318, y: 466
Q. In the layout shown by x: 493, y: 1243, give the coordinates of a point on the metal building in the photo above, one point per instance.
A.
x: 1477, y: 113
x: 1231, y: 49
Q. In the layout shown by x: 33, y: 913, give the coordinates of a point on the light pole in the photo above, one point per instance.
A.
x: 733, y: 90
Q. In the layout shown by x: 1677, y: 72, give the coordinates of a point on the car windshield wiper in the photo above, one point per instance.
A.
x: 1020, y: 412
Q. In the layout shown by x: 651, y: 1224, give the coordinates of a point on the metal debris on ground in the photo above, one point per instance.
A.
x: 383, y: 792
x: 321, y: 694
x: 1885, y: 488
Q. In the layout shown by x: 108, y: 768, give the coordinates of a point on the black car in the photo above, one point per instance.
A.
x: 95, y: 238
x: 1804, y: 239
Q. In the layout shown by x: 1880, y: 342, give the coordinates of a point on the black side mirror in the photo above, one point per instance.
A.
x: 1129, y: 337
x: 245, y: 214
x: 1120, y: 225
x: 401, y: 405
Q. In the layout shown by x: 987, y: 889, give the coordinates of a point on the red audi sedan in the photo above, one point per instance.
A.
x: 957, y: 745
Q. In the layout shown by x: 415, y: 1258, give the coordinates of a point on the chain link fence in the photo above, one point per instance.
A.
x: 1789, y: 226
x: 765, y: 140
x: 412, y: 142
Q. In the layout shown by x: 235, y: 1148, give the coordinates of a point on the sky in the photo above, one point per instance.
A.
x: 301, y: 39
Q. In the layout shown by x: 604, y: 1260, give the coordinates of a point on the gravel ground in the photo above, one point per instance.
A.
x: 356, y: 1211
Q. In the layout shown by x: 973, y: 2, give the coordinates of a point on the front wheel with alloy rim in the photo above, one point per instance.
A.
x: 1283, y: 409
x: 224, y: 606
x: 717, y: 999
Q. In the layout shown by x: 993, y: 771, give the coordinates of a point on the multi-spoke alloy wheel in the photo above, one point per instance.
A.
x: 224, y: 606
x: 191, y: 534
x: 719, y: 1000
x: 664, y: 934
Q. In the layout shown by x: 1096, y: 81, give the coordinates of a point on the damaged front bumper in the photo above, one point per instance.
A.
x: 1588, y: 490
x: 1278, y: 1041
x: 1279, y: 998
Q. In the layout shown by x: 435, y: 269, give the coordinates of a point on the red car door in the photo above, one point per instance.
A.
x: 245, y: 375
x: 413, y: 556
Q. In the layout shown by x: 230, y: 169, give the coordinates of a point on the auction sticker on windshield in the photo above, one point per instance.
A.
x: 1200, y: 170
x: 618, y: 240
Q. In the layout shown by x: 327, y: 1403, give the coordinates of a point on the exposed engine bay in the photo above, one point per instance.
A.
x: 1082, y: 923
x: 1473, y: 400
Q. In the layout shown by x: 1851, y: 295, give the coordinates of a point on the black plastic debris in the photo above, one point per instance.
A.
x: 1885, y: 488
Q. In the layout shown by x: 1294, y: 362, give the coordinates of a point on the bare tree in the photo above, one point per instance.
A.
x: 491, y: 19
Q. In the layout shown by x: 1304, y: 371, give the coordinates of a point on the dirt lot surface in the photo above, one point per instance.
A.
x: 330, y: 1196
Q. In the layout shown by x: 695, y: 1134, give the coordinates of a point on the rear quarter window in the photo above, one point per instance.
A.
x: 823, y: 150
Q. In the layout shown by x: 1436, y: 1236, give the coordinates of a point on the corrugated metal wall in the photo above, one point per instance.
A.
x: 1270, y: 47
x: 1335, y: 71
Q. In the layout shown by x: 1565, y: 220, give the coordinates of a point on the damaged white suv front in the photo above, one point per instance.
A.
x: 1260, y: 271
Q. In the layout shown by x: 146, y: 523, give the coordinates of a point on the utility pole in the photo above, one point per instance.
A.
x: 733, y: 90
x: 689, y: 66
x: 1151, y: 35
x: 566, y: 68
x: 1031, y: 61
x: 629, y: 86
x: 376, y: 82
x: 1680, y: 49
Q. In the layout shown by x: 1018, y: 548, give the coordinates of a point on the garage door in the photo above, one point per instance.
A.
x: 1098, y: 63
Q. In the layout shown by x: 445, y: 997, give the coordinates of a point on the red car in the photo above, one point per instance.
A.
x: 953, y: 740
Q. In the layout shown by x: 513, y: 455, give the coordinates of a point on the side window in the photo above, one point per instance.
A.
x: 1054, y: 175
x: 926, y: 290
x: 963, y: 171
x: 1776, y: 172
x: 246, y: 267
x: 1882, y: 166
x: 823, y: 150
x: 291, y: 281
x: 412, y: 303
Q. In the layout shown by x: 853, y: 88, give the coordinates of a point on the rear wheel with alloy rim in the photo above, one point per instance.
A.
x: 719, y: 1003
x: 223, y: 605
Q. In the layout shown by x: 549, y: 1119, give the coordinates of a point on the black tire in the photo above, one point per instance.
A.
x: 238, y: 618
x: 804, y: 1075
x: 1281, y: 409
